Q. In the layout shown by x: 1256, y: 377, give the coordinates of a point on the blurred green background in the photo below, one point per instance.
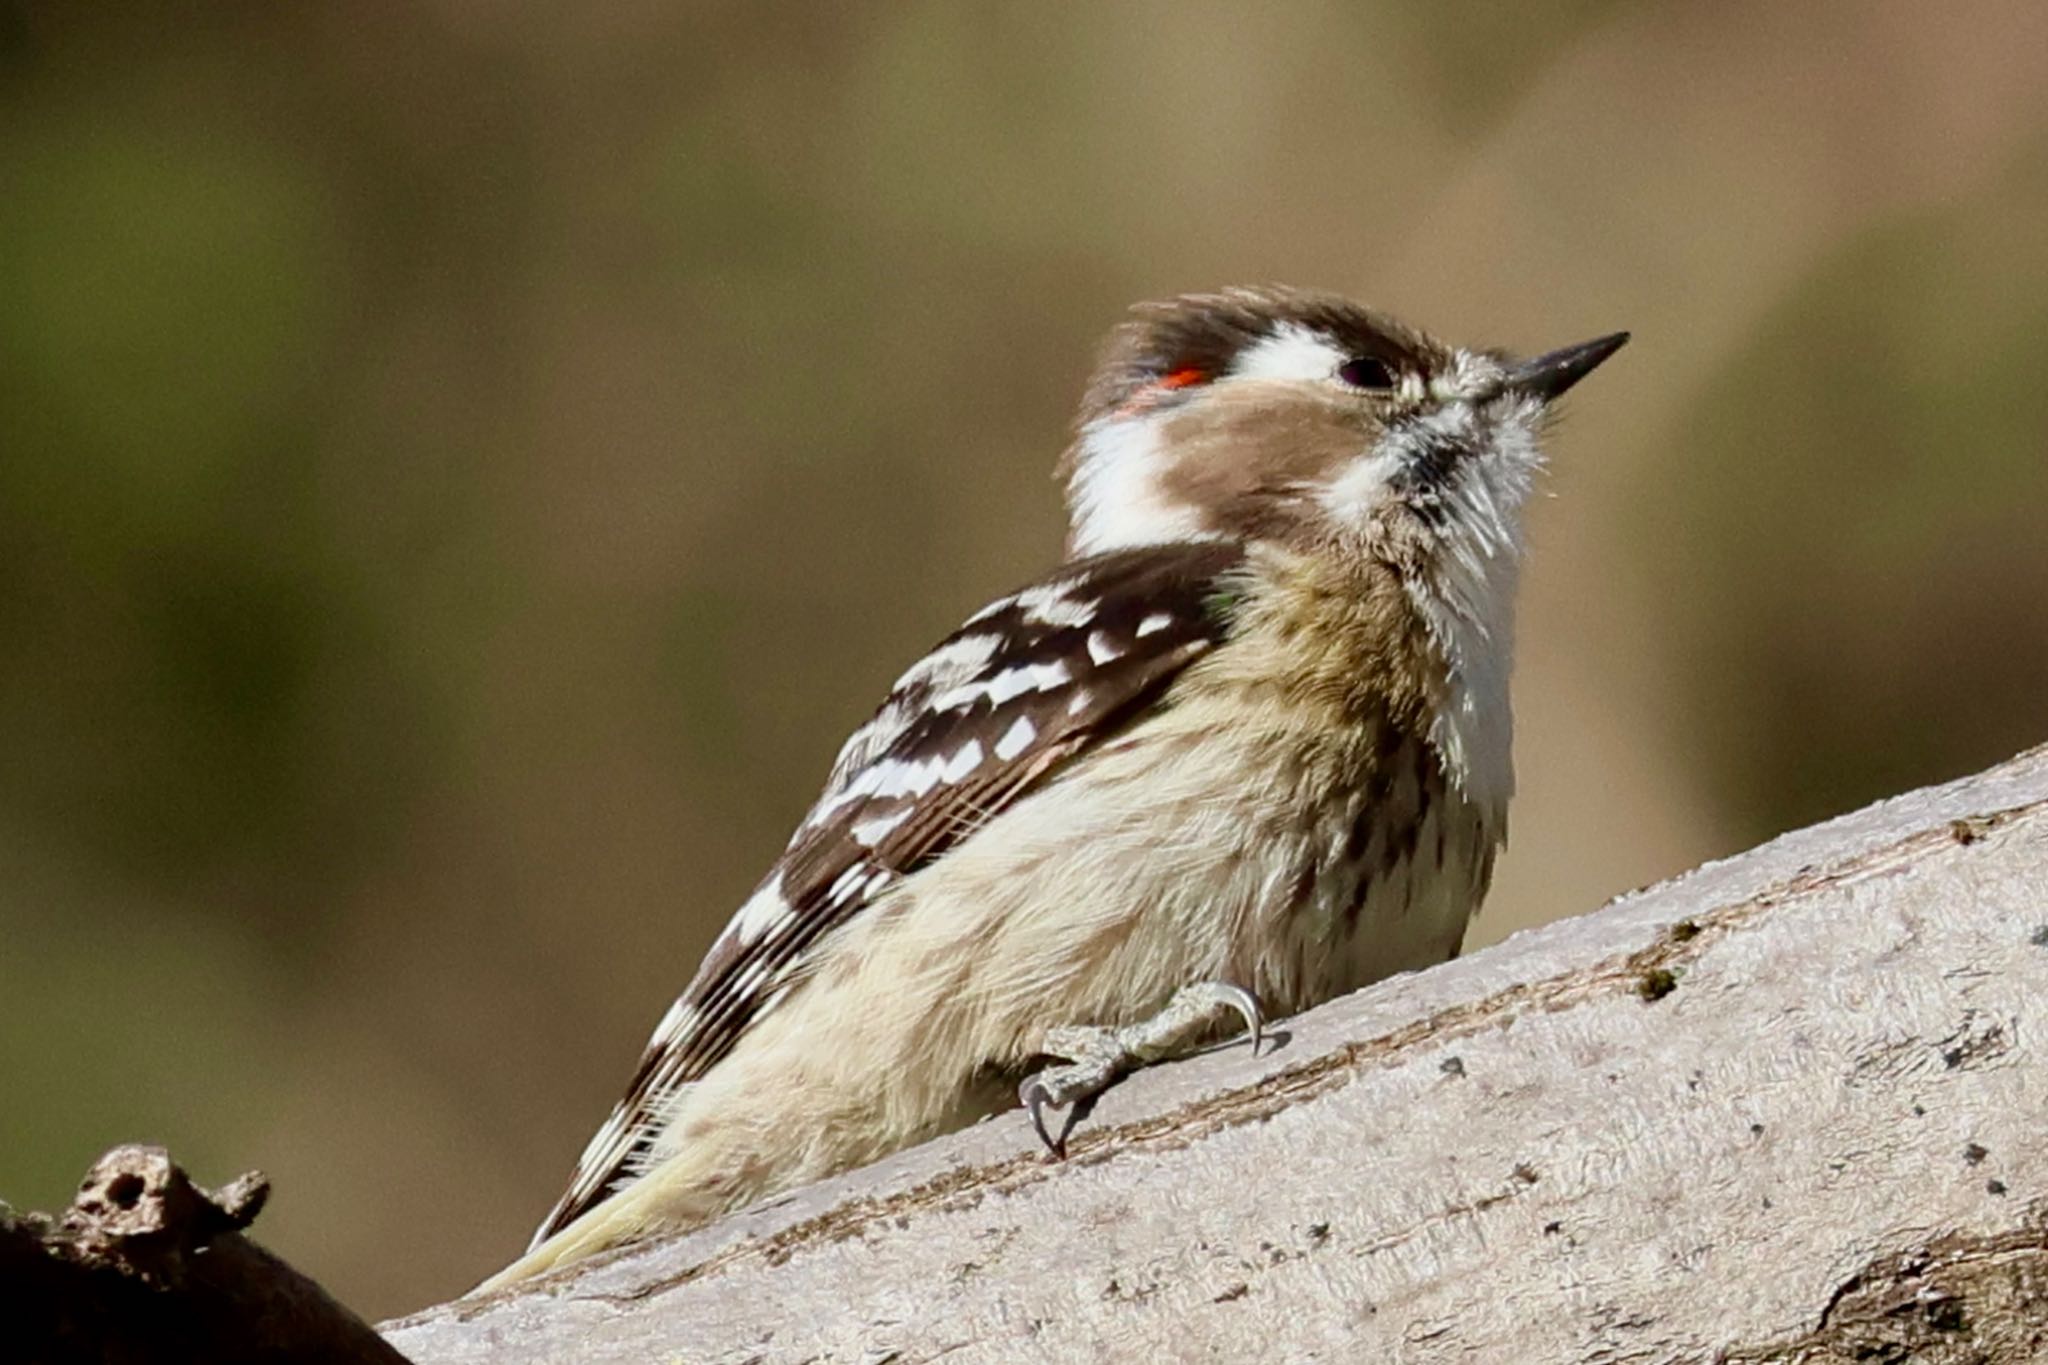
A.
x: 463, y: 467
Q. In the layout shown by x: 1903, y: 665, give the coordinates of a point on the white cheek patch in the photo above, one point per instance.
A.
x: 1115, y: 496
x: 1291, y: 352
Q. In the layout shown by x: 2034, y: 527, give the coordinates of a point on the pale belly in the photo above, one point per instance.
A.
x: 1374, y: 877
x: 1298, y: 862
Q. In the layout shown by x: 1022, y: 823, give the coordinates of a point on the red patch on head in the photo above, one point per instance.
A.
x: 1181, y: 379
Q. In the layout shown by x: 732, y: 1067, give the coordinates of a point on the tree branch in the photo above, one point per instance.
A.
x: 1789, y: 1107
x: 145, y: 1266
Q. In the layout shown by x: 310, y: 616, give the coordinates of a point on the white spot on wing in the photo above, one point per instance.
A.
x: 681, y: 1017
x: 1102, y: 649
x: 1078, y: 703
x: 871, y: 832
x: 964, y: 761
x: 864, y: 743
x: 910, y: 778
x: 956, y: 658
x: 990, y: 610
x: 963, y: 695
x: 749, y: 978
x: 1154, y: 623
x: 1007, y: 685
x: 1050, y: 605
x: 1017, y: 738
x: 764, y: 912
x: 847, y: 883
x: 1045, y: 677
x: 941, y: 669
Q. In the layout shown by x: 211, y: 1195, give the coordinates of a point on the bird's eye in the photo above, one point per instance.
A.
x: 1363, y: 372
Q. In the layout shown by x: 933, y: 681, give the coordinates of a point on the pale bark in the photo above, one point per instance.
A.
x: 1787, y: 1107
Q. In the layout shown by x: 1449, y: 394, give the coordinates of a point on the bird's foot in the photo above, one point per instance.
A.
x: 1097, y: 1057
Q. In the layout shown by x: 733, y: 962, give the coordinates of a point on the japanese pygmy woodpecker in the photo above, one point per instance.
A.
x: 1245, y: 749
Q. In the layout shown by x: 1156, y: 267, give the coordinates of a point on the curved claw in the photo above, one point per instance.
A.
x: 1032, y: 1094
x: 1247, y: 1006
x: 1097, y: 1056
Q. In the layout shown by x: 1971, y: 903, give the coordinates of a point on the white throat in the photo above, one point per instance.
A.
x: 1468, y: 601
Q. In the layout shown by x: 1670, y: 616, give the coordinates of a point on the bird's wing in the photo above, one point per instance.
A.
x: 1027, y: 683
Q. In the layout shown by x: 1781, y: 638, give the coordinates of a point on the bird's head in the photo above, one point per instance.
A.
x: 1283, y: 418
x: 1295, y: 416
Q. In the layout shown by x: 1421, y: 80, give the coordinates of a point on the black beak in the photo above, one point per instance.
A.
x: 1547, y: 376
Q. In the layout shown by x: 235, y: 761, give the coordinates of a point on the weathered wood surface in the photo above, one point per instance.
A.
x: 1791, y: 1106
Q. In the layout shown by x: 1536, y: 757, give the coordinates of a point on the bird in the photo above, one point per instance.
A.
x: 1244, y: 749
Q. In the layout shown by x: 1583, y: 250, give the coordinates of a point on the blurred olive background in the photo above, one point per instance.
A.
x: 463, y: 467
